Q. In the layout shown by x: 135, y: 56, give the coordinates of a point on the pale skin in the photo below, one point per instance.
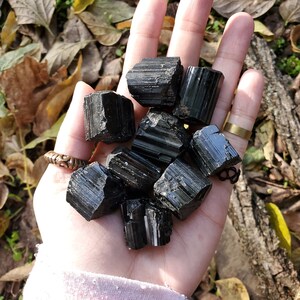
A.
x: 98, y: 246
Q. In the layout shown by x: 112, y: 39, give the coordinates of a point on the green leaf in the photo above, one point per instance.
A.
x: 113, y: 10
x: 34, y: 12
x: 49, y: 134
x: 253, y: 155
x: 278, y: 223
x: 3, y: 110
x: 12, y: 58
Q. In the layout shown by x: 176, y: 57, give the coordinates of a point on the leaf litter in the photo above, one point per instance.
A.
x: 44, y: 53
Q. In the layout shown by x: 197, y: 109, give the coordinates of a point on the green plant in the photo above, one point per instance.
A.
x: 290, y: 65
x: 12, y: 242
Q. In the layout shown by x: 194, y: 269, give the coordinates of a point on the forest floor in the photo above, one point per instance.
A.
x: 41, y: 59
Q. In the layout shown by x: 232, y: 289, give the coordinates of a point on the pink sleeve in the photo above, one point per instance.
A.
x: 48, y: 282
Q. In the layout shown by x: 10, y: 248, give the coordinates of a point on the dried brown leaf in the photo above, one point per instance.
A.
x: 209, y: 51
x: 62, y: 54
x: 108, y: 82
x: 232, y: 289
x: 3, y: 192
x: 50, y: 109
x: 20, y: 85
x: 255, y: 8
x: 9, y: 29
x: 34, y: 12
x: 295, y: 38
x: 39, y: 167
x: 266, y: 133
x: 3, y: 172
x: 4, y: 222
x: 290, y: 11
x: 18, y: 274
x: 105, y: 33
x: 23, y: 166
x: 75, y: 31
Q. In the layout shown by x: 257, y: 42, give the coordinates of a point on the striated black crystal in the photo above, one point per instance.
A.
x: 155, y: 82
x: 158, y: 222
x: 137, y: 172
x: 211, y: 151
x: 199, y: 94
x: 181, y: 188
x: 161, y: 137
x: 108, y: 117
x: 133, y: 212
x: 94, y: 191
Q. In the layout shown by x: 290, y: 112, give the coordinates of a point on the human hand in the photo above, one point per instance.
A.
x: 98, y: 246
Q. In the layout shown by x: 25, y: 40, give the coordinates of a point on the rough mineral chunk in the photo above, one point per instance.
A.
x: 133, y: 212
x: 181, y: 188
x: 108, y: 117
x: 159, y: 224
x: 211, y: 151
x: 160, y: 137
x: 155, y: 82
x: 137, y: 172
x: 94, y: 191
x: 199, y: 93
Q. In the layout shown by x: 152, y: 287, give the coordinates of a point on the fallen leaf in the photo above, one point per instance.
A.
x: 285, y: 168
x: 76, y: 31
x: 49, y: 134
x: 165, y: 37
x: 80, y: 5
x: 124, y: 25
x: 3, y: 171
x: 3, y: 193
x: 263, y: 30
x: 23, y: 166
x: 108, y: 82
x: 253, y: 157
x: 232, y: 289
x: 114, y: 11
x: 105, y: 33
x: 209, y: 51
x: 290, y: 11
x: 18, y: 274
x: 39, y: 167
x: 34, y: 12
x: 9, y: 29
x: 62, y: 54
x: 295, y: 38
x: 278, y: 223
x: 255, y: 8
x: 4, y: 222
x: 11, y: 58
x: 114, y: 67
x: 265, y: 132
x: 295, y: 258
x: 49, y: 110
x: 292, y: 219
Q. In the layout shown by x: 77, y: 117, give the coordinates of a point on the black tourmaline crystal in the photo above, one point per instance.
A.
x: 133, y: 212
x: 161, y: 137
x: 211, y: 151
x: 137, y: 172
x: 155, y: 82
x: 108, y: 117
x: 94, y: 191
x: 199, y: 93
x: 181, y: 188
x: 158, y: 222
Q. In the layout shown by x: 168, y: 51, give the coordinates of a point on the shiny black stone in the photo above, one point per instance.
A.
x: 211, y: 151
x: 137, y: 172
x: 158, y: 223
x: 199, y: 94
x: 108, y: 117
x: 155, y: 82
x: 133, y: 212
x: 94, y: 191
x: 181, y: 188
x: 160, y: 137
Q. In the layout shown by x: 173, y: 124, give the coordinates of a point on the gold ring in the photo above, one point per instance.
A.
x: 65, y: 161
x: 237, y: 130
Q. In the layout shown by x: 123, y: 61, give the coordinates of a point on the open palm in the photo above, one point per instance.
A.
x: 98, y: 246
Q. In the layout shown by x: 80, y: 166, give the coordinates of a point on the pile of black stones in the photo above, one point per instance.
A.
x: 166, y: 171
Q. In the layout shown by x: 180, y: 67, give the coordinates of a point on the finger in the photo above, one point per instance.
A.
x: 143, y: 41
x: 71, y: 137
x: 189, y: 30
x: 229, y: 60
